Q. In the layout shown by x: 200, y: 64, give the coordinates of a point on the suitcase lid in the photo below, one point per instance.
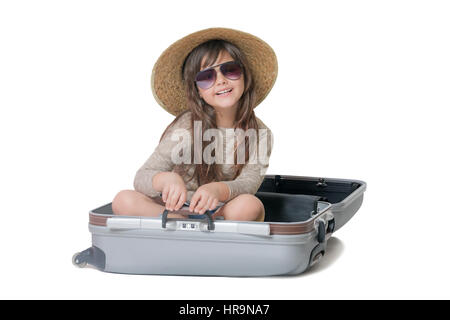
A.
x: 344, y: 195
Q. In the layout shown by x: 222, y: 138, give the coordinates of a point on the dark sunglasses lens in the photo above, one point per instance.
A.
x: 231, y: 70
x: 205, y: 79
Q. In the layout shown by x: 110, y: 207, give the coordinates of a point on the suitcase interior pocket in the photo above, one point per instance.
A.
x: 283, y: 207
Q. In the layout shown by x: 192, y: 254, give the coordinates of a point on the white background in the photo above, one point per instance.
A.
x: 362, y: 93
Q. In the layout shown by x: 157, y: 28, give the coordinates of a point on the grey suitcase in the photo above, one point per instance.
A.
x: 301, y: 215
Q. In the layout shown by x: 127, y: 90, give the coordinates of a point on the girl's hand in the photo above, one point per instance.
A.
x: 174, y: 191
x: 205, y: 198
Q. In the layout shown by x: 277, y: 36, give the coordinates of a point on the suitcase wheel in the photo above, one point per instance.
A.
x: 317, y: 258
x: 77, y: 260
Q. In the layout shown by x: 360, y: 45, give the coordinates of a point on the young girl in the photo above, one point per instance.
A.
x: 211, y: 80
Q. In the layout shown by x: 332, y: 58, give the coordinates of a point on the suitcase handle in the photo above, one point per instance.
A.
x: 207, y: 215
x: 325, y: 229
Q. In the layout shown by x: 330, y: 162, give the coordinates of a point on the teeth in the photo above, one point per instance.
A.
x: 224, y: 91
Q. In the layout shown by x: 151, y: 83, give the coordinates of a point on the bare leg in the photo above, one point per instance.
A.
x: 133, y: 203
x: 245, y: 207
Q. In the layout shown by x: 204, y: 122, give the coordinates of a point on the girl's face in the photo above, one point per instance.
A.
x: 222, y: 101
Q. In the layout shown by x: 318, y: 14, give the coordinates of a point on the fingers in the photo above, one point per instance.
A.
x: 195, y: 198
x: 202, y: 201
x: 214, y: 204
x: 181, y: 201
x: 207, y: 206
x: 174, y: 197
x: 201, y: 204
x: 204, y: 204
x: 165, y: 193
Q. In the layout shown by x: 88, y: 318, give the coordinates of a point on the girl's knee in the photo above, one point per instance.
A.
x: 123, y: 202
x: 245, y: 207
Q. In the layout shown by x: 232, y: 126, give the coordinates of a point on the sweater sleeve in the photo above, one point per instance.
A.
x: 252, y: 174
x: 161, y: 159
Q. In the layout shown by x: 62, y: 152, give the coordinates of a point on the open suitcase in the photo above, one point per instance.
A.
x: 301, y: 215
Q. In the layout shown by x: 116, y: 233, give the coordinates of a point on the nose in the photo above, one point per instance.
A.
x: 220, y: 78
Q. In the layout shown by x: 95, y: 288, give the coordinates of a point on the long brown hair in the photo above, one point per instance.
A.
x: 201, y: 111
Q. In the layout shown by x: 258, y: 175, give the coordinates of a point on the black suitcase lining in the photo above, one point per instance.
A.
x: 329, y: 191
x: 283, y: 207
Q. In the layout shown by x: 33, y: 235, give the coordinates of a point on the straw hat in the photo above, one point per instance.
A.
x: 168, y: 87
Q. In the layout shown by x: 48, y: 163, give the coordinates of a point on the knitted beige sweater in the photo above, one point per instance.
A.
x: 162, y: 160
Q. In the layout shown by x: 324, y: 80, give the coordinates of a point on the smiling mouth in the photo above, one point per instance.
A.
x: 224, y: 92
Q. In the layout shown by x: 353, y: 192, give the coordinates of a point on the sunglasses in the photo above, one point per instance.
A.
x: 231, y: 70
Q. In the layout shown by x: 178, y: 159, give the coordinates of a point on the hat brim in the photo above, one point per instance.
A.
x: 166, y: 81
